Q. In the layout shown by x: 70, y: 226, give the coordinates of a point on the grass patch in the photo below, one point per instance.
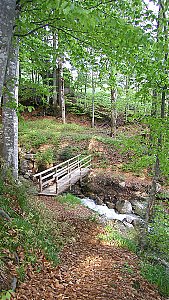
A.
x: 45, y: 157
x: 69, y: 199
x: 33, y: 134
x: 156, y: 274
x: 112, y: 236
x: 31, y: 229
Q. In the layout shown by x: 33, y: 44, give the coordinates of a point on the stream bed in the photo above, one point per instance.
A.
x: 108, y: 213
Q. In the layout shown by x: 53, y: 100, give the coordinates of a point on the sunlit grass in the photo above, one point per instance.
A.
x: 112, y: 236
x: 69, y: 199
x: 156, y: 274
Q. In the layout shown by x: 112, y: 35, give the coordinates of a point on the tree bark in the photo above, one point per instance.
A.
x: 7, y: 18
x: 126, y: 90
x: 151, y: 202
x: 154, y: 104
x: 9, y: 114
x: 93, y: 96
x: 61, y: 90
x: 54, y: 74
x: 113, y: 113
x: 63, y: 102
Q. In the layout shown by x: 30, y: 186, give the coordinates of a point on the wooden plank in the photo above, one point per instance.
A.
x: 64, y: 185
x: 69, y: 173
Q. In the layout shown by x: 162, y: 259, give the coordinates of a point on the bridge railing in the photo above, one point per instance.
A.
x: 62, y: 171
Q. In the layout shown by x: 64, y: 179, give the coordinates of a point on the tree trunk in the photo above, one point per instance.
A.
x: 151, y: 202
x: 93, y: 96
x: 154, y: 104
x: 54, y: 74
x: 9, y: 115
x: 7, y: 18
x: 61, y: 90
x: 126, y: 106
x: 63, y: 102
x: 113, y: 113
x: 85, y: 92
x: 163, y: 102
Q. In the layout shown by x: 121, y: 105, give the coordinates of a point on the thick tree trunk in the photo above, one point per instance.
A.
x: 9, y: 115
x: 113, y: 113
x: 7, y: 18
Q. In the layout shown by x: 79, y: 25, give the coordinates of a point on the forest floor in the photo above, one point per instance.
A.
x: 89, y: 268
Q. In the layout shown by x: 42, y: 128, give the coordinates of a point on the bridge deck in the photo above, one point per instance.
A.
x: 64, y: 183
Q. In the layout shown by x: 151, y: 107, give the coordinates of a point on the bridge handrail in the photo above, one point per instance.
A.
x: 55, y: 173
x: 55, y: 167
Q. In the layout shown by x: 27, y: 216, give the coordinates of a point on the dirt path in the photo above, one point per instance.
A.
x: 89, y: 269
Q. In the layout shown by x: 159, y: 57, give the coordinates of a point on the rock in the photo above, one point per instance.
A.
x: 24, y: 166
x: 158, y: 187
x: 138, y: 223
x: 30, y: 165
x: 110, y: 205
x: 26, y: 176
x: 30, y: 156
x: 124, y: 207
x: 98, y: 200
x: 139, y: 207
x: 120, y: 226
x: 128, y: 219
x: 122, y: 184
x: 128, y: 225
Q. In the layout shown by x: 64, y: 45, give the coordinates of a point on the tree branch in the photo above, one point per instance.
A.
x: 4, y: 215
x: 97, y: 5
x: 31, y: 31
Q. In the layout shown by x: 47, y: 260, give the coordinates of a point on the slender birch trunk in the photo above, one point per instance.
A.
x: 154, y: 104
x: 61, y: 90
x: 7, y: 18
x: 93, y: 98
x: 9, y: 115
x: 113, y: 113
x: 55, y: 45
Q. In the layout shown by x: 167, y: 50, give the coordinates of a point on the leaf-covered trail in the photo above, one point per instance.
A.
x: 89, y: 269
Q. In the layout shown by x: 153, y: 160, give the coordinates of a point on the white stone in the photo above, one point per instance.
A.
x: 124, y: 207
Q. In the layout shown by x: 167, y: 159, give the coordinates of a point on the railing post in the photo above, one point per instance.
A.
x: 80, y: 169
x: 40, y: 183
x: 78, y: 159
x: 56, y: 180
x: 69, y: 174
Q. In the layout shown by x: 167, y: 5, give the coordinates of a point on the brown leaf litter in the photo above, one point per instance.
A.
x: 89, y: 269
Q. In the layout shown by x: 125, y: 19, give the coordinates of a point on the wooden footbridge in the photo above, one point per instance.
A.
x: 59, y: 178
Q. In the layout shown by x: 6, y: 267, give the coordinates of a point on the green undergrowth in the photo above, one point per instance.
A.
x: 49, y: 138
x: 30, y: 230
x: 113, y: 236
x: 69, y: 199
x: 155, y: 273
x: 33, y: 134
x: 46, y: 137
